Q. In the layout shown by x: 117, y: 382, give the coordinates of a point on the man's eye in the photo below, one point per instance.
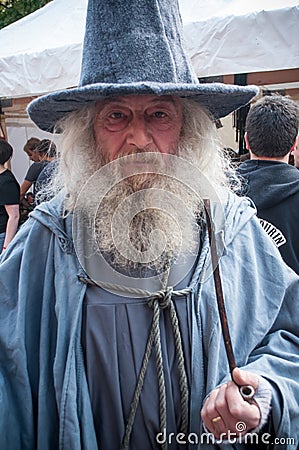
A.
x: 160, y: 114
x: 116, y: 115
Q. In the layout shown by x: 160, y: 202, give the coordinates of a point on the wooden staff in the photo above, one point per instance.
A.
x: 247, y: 391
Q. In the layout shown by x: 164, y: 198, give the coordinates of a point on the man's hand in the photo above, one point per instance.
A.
x: 226, y: 410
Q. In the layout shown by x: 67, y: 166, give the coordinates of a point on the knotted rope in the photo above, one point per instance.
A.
x: 158, y: 301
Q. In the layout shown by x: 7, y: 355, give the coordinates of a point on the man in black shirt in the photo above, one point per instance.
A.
x: 9, y: 198
x: 273, y: 184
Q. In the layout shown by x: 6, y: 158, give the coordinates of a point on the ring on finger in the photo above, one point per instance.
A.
x: 216, y: 419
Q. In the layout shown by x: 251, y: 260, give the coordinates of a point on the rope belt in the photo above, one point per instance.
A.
x: 158, y: 301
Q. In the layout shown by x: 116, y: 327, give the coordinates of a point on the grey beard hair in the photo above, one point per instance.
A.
x: 141, y: 232
x: 151, y: 235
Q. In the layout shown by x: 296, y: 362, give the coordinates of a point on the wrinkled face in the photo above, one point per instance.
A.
x: 137, y: 123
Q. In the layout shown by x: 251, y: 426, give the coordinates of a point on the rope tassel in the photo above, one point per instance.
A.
x: 158, y: 301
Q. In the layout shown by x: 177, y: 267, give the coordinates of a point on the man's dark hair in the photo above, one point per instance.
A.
x: 5, y: 151
x: 272, y: 126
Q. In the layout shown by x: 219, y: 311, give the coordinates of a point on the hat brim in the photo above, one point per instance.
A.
x: 220, y: 99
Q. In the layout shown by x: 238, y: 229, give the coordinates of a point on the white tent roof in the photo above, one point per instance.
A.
x: 244, y: 36
x: 198, y: 10
x: 42, y: 52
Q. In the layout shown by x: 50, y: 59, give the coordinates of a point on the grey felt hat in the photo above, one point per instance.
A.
x: 135, y: 47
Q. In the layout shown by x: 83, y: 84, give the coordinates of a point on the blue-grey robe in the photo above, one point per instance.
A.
x: 44, y: 396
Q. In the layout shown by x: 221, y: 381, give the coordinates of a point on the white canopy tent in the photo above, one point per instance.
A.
x: 39, y: 53
x: 42, y: 52
x: 244, y: 36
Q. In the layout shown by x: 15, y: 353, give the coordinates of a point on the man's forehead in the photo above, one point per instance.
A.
x: 140, y: 99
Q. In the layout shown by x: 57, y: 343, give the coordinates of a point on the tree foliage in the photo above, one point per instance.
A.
x: 13, y: 10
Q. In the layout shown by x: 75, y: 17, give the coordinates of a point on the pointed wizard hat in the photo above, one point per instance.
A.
x: 135, y: 47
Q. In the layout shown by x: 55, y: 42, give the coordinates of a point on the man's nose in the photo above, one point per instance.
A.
x: 138, y: 133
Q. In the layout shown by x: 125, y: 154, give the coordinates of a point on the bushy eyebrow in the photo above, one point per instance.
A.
x: 121, y: 101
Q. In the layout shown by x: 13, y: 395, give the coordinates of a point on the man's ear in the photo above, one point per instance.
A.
x: 246, y: 141
x: 296, y: 142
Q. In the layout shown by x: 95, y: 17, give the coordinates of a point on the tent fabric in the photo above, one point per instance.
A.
x: 199, y: 10
x: 253, y: 42
x: 41, y: 53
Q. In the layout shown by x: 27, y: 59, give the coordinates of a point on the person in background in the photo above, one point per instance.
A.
x: 42, y: 185
x: 26, y: 206
x: 9, y: 198
x: 36, y: 168
x: 29, y: 148
x: 110, y: 336
x: 273, y: 185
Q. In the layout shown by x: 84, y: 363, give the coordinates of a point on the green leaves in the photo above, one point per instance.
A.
x: 13, y: 10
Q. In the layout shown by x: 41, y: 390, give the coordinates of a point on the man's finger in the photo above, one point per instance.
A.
x: 241, y: 409
x: 242, y: 378
x: 209, y: 411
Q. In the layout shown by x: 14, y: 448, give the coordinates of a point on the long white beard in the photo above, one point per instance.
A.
x: 144, y: 220
x: 139, y: 231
